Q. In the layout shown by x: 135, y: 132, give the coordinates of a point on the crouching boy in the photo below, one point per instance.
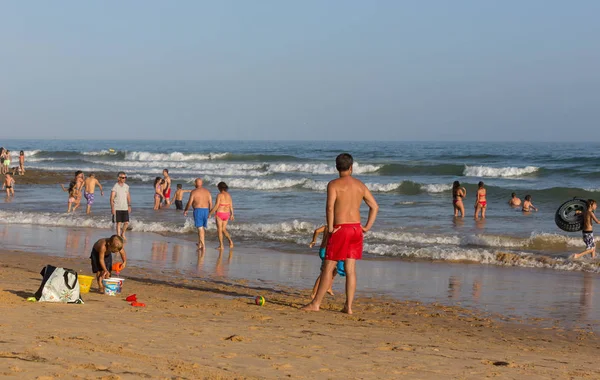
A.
x: 101, y: 257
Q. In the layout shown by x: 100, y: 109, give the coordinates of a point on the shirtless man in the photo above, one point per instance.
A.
x: 89, y: 185
x: 344, y: 197
x: 201, y: 201
x: 167, y: 187
x: 514, y: 201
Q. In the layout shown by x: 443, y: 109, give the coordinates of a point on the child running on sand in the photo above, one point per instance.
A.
x: 179, y: 196
x: 101, y: 257
x: 322, y: 250
x: 9, y: 184
x: 527, y: 205
x: 73, y: 193
x: 588, y: 233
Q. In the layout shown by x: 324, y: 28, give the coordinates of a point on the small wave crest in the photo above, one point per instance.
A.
x: 174, y: 156
x: 486, y: 171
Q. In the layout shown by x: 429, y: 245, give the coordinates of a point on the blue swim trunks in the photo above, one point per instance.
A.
x: 201, y: 217
x: 341, y: 266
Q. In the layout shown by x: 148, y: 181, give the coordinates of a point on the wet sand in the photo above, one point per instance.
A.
x: 543, y: 297
x: 195, y: 328
x: 46, y: 177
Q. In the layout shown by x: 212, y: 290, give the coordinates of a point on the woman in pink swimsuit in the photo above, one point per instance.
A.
x: 223, y: 210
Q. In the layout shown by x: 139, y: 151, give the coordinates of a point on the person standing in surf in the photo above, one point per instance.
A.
x: 458, y: 194
x: 588, y: 230
x: 201, y: 201
x: 166, y: 187
x: 21, y: 163
x: 223, y: 210
x: 344, y: 197
x: 89, y: 186
x: 120, y: 204
x: 480, y: 201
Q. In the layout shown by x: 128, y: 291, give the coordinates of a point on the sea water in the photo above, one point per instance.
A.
x: 278, y: 190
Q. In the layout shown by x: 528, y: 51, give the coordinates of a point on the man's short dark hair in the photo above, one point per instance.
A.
x: 121, y: 173
x: 166, y: 170
x: 343, y: 162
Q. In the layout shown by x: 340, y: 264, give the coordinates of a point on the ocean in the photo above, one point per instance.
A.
x: 278, y: 190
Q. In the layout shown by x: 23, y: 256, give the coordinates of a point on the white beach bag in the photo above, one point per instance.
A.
x: 58, y: 285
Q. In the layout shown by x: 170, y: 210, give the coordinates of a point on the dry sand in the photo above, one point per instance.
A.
x: 211, y: 329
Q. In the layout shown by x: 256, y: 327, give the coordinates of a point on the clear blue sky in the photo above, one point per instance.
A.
x: 378, y: 70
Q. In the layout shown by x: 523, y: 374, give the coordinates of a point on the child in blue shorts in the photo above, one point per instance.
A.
x: 340, y: 269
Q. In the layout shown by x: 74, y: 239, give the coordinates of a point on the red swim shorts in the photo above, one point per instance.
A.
x: 345, y: 243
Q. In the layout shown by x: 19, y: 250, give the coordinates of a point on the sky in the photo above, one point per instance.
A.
x: 526, y: 70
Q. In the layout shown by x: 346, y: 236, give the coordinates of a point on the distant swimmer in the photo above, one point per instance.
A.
x: 344, y: 198
x: 223, y: 210
x: 480, y: 201
x: 201, y: 201
x: 89, y: 185
x: 514, y: 200
x: 458, y: 194
x: 588, y: 233
x: 527, y: 205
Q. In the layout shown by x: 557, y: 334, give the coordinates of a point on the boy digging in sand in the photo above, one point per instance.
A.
x: 588, y: 233
x: 101, y: 257
x: 322, y: 250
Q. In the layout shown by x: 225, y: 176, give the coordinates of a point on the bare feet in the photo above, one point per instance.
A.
x: 330, y: 291
x: 230, y: 244
x: 346, y: 310
x: 310, y: 307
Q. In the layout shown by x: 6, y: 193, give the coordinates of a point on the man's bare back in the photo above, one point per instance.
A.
x: 349, y: 193
x: 90, y: 184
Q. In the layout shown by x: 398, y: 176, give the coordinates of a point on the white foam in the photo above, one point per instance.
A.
x: 29, y: 153
x: 486, y: 171
x: 322, y: 169
x: 174, y: 156
x: 436, y: 188
x: 259, y: 184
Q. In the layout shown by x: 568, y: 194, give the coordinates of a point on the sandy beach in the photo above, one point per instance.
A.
x: 212, y: 329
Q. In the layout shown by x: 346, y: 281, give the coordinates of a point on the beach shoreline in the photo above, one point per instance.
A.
x: 207, y: 328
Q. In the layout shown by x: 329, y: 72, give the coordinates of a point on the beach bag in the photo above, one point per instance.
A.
x: 58, y: 285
